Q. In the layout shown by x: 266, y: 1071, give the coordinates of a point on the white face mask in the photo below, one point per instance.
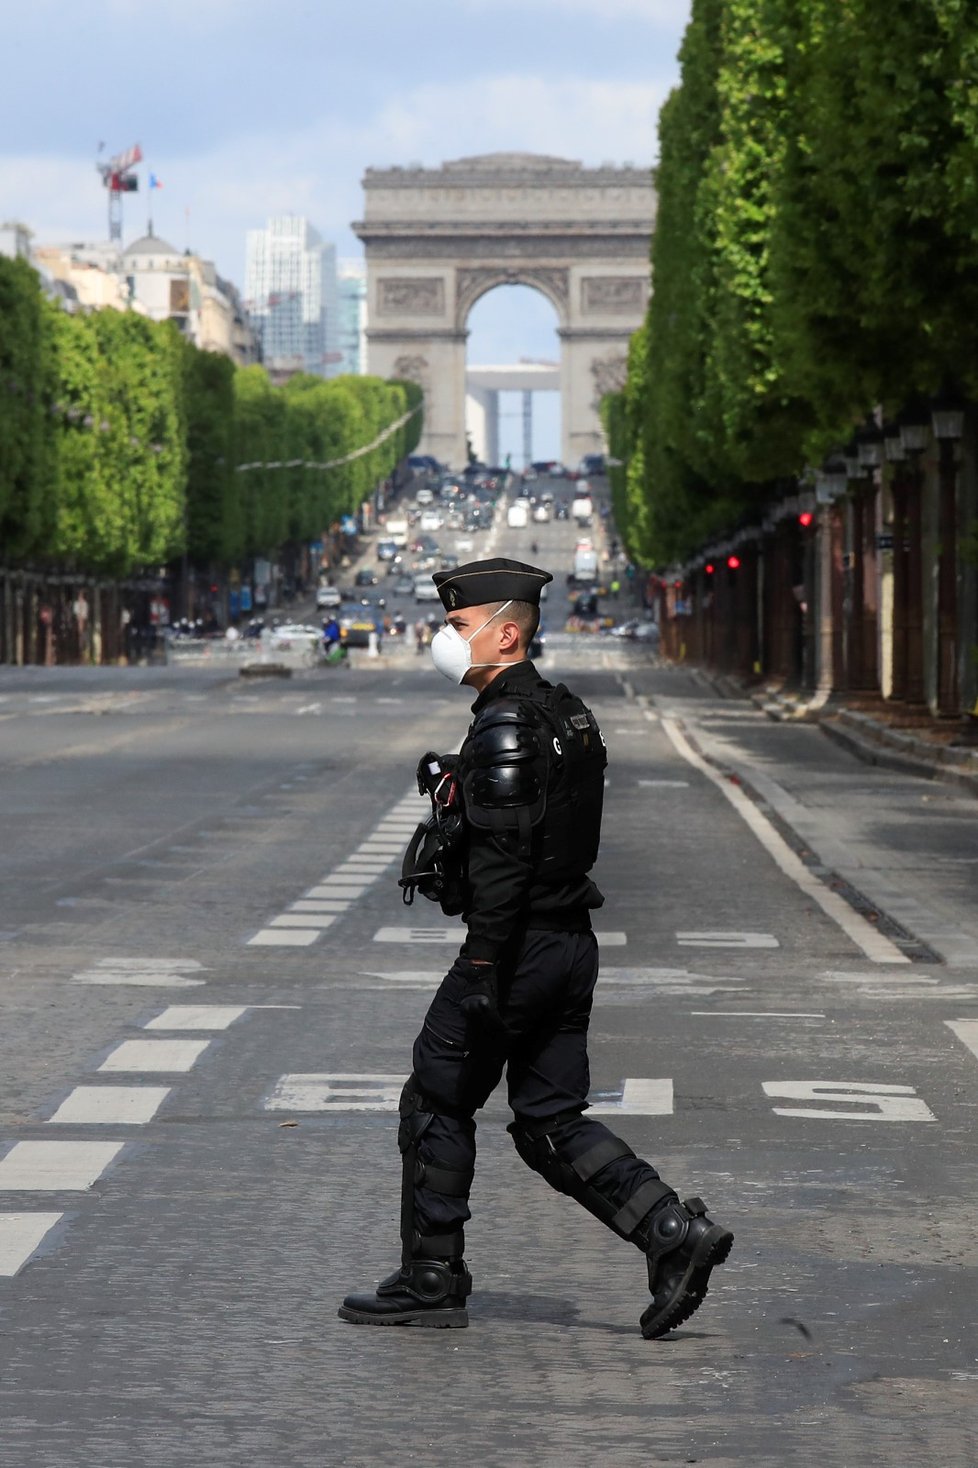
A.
x: 451, y: 653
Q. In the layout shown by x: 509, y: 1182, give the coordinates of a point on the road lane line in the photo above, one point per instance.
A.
x: 152, y: 1056
x: 110, y: 1106
x: 966, y: 1031
x: 20, y: 1235
x: 723, y: 939
x: 336, y: 1091
x: 56, y: 1167
x: 197, y: 1017
x: 876, y: 947
x: 753, y: 1014
x: 337, y: 903
x: 281, y: 938
x: 317, y: 905
x: 640, y: 1096
x: 308, y: 920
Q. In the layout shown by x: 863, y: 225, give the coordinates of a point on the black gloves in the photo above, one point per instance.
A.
x: 479, y: 1003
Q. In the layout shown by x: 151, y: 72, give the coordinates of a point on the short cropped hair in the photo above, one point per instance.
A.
x: 525, y: 615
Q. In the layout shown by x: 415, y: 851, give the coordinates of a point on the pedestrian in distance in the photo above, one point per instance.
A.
x: 514, y: 834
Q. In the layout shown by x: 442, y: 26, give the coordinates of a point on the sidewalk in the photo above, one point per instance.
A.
x: 902, y: 848
x: 889, y: 735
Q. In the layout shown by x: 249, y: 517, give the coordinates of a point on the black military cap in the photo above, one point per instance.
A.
x: 479, y: 582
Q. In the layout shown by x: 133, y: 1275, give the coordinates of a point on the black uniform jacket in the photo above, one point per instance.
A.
x: 505, y: 896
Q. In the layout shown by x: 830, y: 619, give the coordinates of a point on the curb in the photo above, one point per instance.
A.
x: 880, y: 747
x: 859, y: 734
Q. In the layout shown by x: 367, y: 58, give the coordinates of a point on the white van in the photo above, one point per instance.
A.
x: 582, y: 509
x: 397, y: 531
x: 517, y: 515
x: 585, y: 564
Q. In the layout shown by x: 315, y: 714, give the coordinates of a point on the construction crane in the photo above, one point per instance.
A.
x: 118, y: 178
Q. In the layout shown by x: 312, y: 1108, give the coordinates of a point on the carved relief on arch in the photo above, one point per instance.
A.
x: 411, y: 369
x: 471, y: 282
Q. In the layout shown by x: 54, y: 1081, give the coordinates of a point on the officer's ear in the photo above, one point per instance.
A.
x: 509, y: 636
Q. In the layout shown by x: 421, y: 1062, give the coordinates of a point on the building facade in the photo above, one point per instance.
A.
x: 291, y: 292
x: 352, y: 324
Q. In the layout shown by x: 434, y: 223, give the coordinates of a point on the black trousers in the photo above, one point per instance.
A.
x: 546, y: 992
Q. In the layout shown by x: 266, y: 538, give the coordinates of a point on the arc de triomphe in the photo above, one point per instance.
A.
x: 436, y: 239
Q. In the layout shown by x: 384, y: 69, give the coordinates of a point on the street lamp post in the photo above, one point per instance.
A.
x: 830, y: 487
x: 915, y: 436
x: 947, y: 419
x: 869, y: 450
x: 896, y: 455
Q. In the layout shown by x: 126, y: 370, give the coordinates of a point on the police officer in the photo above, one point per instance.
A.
x: 530, y: 777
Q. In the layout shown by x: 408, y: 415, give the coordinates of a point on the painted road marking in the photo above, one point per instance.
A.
x: 664, y: 784
x: 611, y: 940
x: 318, y: 904
x: 337, y: 1091
x: 55, y: 1167
x: 903, y: 986
x: 420, y: 978
x: 151, y: 1056
x: 319, y: 921
x: 418, y: 935
x: 672, y: 980
x: 876, y: 947
x: 279, y: 938
x: 360, y: 869
x: 197, y: 1017
x: 164, y: 973
x: 320, y: 893
x: 639, y: 1096
x: 966, y: 1031
x: 888, y: 1103
x: 110, y: 1105
x: 347, y: 886
x: 20, y: 1235
x: 754, y: 1014
x: 727, y: 940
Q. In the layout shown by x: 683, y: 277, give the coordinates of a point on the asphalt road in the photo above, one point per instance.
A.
x: 208, y: 991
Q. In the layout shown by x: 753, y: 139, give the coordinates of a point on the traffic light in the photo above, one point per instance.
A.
x: 710, y: 568
x: 806, y: 519
x: 733, y: 563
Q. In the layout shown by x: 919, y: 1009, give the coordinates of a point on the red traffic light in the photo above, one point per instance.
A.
x: 805, y: 519
x: 710, y: 568
x: 733, y: 562
x: 678, y: 585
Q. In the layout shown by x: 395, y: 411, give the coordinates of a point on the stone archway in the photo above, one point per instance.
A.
x: 436, y: 240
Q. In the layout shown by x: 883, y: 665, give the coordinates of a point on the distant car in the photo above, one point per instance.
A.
x: 425, y: 589
x: 424, y: 497
x: 464, y: 543
x: 365, y: 578
x: 592, y: 464
x: 357, y: 622
x: 431, y: 520
x: 517, y: 517
x: 328, y: 596
x: 561, y: 512
x: 403, y: 586
x: 386, y: 550
x: 557, y: 471
x: 541, y: 514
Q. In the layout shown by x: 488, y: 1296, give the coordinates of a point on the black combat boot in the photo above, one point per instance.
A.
x: 428, y: 1292
x: 682, y: 1246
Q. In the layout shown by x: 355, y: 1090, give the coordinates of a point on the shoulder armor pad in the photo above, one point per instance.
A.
x: 505, y: 765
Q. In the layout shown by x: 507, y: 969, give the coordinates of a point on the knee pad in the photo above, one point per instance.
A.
x: 415, y: 1115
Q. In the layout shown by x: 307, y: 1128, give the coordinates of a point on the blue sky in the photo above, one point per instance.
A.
x: 245, y: 108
